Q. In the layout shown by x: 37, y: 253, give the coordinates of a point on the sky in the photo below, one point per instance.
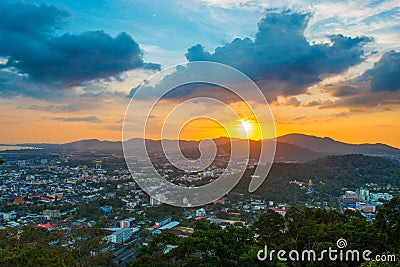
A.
x: 68, y: 69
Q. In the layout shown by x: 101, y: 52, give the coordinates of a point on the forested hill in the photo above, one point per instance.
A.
x: 331, y: 175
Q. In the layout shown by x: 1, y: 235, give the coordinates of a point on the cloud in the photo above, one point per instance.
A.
x: 113, y: 127
x: 299, y: 118
x: 92, y: 119
x: 344, y: 90
x: 376, y: 88
x: 313, y: 103
x: 342, y: 114
x: 30, y: 19
x: 280, y: 59
x: 31, y: 47
x: 293, y: 101
x: 385, y: 75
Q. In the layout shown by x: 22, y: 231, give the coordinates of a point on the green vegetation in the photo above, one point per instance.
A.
x: 301, y: 229
x: 40, y: 247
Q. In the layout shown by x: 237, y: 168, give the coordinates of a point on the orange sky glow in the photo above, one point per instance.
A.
x: 28, y: 126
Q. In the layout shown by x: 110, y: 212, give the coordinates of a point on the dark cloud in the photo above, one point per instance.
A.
x: 344, y: 90
x: 31, y: 46
x: 376, y: 89
x: 92, y: 119
x: 20, y: 19
x: 385, y: 75
x: 113, y: 127
x: 299, y: 118
x: 343, y: 114
x: 133, y: 91
x: 313, y: 103
x: 13, y: 84
x: 280, y: 58
x: 293, y: 101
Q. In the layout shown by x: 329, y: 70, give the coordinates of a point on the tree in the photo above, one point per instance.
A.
x: 209, y: 245
x: 387, y: 224
x: 269, y: 227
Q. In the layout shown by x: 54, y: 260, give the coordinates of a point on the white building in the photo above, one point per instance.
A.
x: 120, y: 236
x: 200, y: 212
x: 364, y: 194
x: 9, y: 216
x: 384, y: 196
x: 154, y: 201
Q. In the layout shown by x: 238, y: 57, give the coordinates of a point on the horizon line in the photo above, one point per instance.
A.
x: 194, y: 140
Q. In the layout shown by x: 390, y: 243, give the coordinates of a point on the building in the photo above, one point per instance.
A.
x: 21, y: 163
x: 106, y: 209
x: 364, y: 194
x: 200, y: 212
x: 207, y: 174
x: 369, y: 209
x: 120, y: 236
x: 280, y: 211
x: 169, y: 225
x: 98, y: 164
x: 9, y: 216
x: 18, y: 200
x: 384, y: 196
x: 164, y: 221
x: 127, y: 223
x: 45, y: 226
x: 154, y: 201
x: 222, y: 221
x: 349, y: 197
x: 296, y: 182
x: 51, y: 214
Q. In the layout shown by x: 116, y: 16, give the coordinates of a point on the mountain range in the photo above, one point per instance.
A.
x: 289, y: 148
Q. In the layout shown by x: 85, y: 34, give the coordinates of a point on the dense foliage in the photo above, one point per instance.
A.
x: 41, y: 247
x: 300, y: 229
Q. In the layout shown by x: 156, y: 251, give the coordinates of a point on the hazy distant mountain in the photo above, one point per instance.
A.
x: 291, y: 147
x: 82, y: 146
x: 93, y: 144
x: 283, y: 152
x: 329, y: 146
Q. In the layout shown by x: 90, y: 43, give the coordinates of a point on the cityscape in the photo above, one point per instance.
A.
x: 213, y: 133
x: 72, y: 190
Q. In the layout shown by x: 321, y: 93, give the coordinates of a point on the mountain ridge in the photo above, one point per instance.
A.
x: 290, y: 147
x: 327, y: 144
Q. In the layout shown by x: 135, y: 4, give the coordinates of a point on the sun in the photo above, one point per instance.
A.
x: 244, y: 128
x: 247, y: 126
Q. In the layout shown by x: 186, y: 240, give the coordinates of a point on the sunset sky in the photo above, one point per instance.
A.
x: 68, y: 69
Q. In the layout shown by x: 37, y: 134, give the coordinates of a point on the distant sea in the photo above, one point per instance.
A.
x: 4, y: 148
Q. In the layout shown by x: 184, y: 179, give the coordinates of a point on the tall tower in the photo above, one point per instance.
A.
x: 98, y: 164
x: 364, y: 194
x: 310, y: 184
